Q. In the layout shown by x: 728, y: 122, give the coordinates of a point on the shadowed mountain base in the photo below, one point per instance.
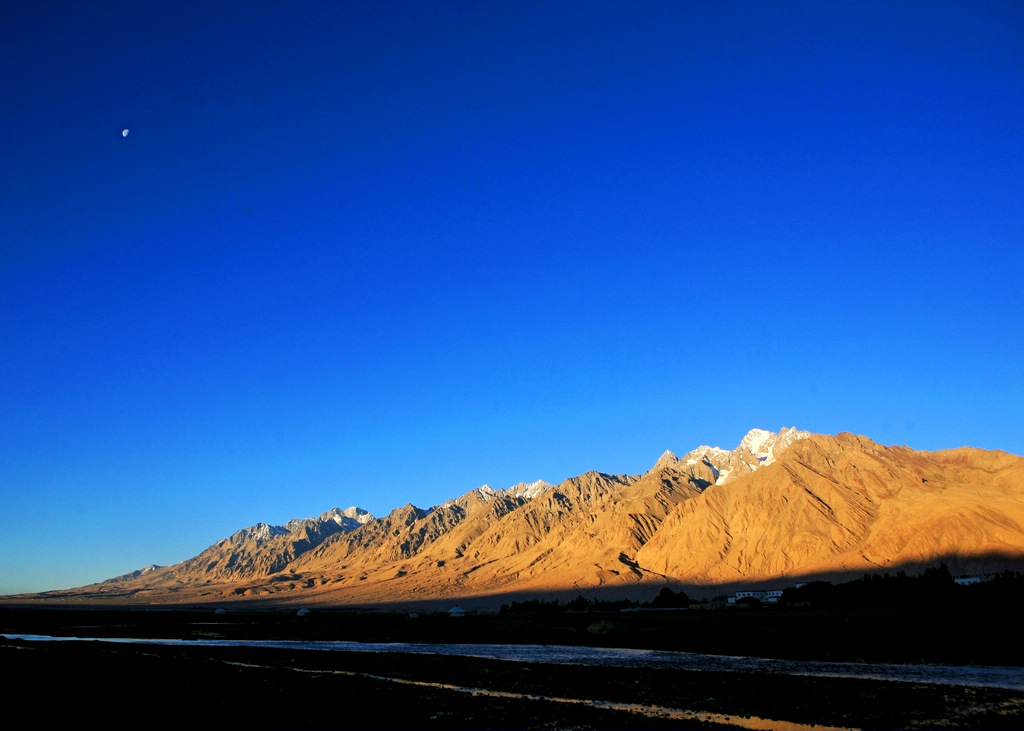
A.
x: 777, y: 510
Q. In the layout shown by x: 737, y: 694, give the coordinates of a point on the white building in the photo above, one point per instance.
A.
x: 967, y: 580
x: 765, y: 597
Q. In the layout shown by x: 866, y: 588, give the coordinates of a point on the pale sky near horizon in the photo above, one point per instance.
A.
x: 372, y: 253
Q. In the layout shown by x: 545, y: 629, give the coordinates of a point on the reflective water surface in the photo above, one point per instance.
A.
x: 980, y: 676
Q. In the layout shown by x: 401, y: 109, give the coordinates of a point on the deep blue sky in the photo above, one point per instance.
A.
x: 385, y: 252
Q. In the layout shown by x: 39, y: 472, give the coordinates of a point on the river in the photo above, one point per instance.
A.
x: 978, y: 676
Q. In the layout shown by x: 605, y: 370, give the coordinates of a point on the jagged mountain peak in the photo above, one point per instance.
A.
x: 521, y: 490
x: 766, y: 445
x: 755, y: 440
x: 529, y: 490
x: 758, y: 448
x: 667, y: 458
x: 359, y: 514
x: 702, y: 452
x: 138, y: 573
x: 349, y: 518
x: 832, y: 503
x: 260, y: 532
x: 486, y: 491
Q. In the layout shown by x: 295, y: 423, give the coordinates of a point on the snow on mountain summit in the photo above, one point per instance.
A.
x: 667, y: 457
x: 349, y: 518
x: 766, y: 445
x: 757, y: 449
x: 704, y: 518
x: 526, y: 490
x: 756, y: 440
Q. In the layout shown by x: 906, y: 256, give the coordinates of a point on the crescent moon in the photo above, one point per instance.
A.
x: 124, y: 132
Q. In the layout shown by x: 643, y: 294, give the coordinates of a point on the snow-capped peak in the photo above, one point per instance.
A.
x: 756, y: 440
x: 348, y: 518
x: 758, y: 448
x: 703, y: 453
x: 486, y: 492
x: 260, y: 532
x: 766, y: 445
x: 668, y: 457
x: 528, y: 490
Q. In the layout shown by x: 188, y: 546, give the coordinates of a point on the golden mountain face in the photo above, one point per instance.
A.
x: 819, y: 507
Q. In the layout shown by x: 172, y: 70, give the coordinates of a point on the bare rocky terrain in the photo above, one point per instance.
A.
x: 779, y: 509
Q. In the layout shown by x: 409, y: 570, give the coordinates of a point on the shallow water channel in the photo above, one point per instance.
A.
x: 978, y: 676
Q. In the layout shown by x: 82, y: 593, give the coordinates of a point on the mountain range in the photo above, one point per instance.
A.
x: 779, y: 508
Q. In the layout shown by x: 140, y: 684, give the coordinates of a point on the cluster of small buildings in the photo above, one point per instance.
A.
x: 968, y: 580
x: 765, y: 597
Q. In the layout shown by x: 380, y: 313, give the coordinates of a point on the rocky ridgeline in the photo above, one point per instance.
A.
x: 780, y: 505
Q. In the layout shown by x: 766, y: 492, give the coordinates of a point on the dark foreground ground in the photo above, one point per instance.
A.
x: 985, y: 635
x: 149, y: 686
